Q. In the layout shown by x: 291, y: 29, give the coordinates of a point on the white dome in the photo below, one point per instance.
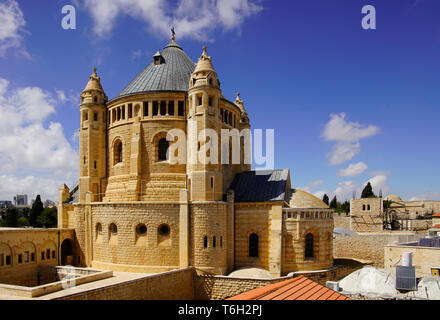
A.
x: 393, y: 197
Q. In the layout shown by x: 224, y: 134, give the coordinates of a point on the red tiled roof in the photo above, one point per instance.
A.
x: 436, y: 226
x: 436, y: 215
x: 298, y: 288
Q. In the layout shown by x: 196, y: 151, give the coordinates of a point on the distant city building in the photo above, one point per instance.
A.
x: 5, y: 204
x: 21, y: 200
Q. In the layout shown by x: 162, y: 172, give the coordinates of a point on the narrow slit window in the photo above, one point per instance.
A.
x: 171, y: 108
x: 145, y: 109
x: 181, y: 109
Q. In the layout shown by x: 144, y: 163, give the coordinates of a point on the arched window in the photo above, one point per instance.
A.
x: 163, y: 149
x: 363, y: 207
x: 113, y: 229
x: 205, y: 242
x: 141, y: 229
x: 253, y: 245
x: 117, y: 152
x: 309, y: 246
x: 213, y: 242
x: 368, y: 207
x: 164, y: 230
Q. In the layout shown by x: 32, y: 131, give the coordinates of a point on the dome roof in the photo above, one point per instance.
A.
x: 393, y: 197
x: 170, y: 70
x: 302, y: 199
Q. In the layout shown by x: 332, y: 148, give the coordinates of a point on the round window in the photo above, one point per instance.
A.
x: 141, y: 229
x: 164, y: 230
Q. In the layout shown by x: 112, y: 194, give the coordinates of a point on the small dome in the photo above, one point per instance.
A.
x: 393, y: 197
x: 302, y: 199
x: 251, y: 272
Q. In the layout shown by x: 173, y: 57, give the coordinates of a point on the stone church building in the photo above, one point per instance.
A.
x: 135, y: 211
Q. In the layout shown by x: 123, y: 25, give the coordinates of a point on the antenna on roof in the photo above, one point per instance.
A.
x: 354, y: 194
x: 380, y: 193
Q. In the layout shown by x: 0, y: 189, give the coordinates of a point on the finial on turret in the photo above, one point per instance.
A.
x: 238, y: 95
x: 173, y: 34
x: 94, y: 70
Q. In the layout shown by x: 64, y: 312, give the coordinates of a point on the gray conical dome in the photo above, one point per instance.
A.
x: 170, y: 70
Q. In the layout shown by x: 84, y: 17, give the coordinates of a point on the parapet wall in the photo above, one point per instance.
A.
x: 172, y: 285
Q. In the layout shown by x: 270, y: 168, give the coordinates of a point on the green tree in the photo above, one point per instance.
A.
x: 368, y: 191
x: 48, y: 219
x: 345, y: 207
x: 12, y: 218
x: 325, y: 199
x: 23, y: 222
x: 334, y: 203
x: 36, y: 211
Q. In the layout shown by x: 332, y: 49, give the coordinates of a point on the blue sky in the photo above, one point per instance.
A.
x: 348, y: 105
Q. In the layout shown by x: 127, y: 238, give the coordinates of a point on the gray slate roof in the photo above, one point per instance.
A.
x: 260, y: 186
x: 173, y: 75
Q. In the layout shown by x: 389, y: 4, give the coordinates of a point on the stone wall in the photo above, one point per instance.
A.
x: 27, y: 249
x: 341, y: 221
x: 208, y: 219
x: 172, y: 285
x: 368, y: 247
x: 208, y: 287
x: 297, y: 224
x: 417, y: 225
x: 423, y: 258
x: 252, y: 218
x: 128, y: 247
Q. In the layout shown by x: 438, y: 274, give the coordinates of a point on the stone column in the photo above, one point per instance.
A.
x: 88, y: 229
x: 183, y: 229
x: 230, y: 232
x: 276, y: 244
x: 150, y: 109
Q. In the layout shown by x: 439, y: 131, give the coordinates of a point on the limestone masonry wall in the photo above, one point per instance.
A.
x: 368, y: 247
x: 423, y: 258
x: 172, y: 285
x: 341, y: 221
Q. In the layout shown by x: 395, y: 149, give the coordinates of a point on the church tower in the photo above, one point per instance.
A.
x: 92, y: 140
x: 204, y: 168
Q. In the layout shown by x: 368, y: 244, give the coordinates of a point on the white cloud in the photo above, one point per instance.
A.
x: 191, y: 18
x: 12, y: 27
x: 381, y: 172
x: 353, y: 170
x: 35, y: 157
x: 426, y: 196
x: 316, y: 183
x: 342, y: 152
x: 347, y: 136
x: 344, y: 191
x: 378, y: 183
x: 61, y: 95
